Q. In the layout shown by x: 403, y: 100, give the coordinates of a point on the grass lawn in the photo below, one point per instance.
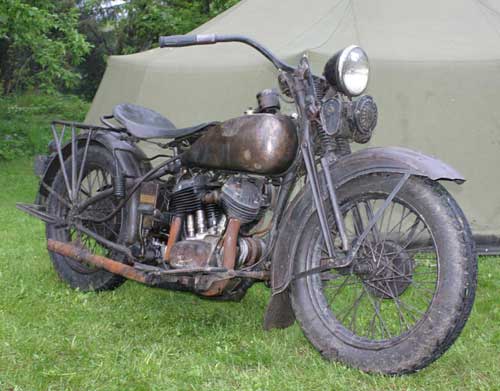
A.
x: 139, y: 338
x: 24, y: 121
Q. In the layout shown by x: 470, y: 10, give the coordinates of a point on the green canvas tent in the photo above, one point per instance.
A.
x: 435, y: 77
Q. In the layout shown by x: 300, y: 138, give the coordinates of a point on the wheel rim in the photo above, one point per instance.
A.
x: 389, y: 288
x: 96, y: 178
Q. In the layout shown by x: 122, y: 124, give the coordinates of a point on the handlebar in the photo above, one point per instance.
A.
x: 174, y: 41
x: 209, y: 39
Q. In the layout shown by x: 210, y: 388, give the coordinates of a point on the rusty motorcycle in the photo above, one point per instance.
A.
x: 366, y: 250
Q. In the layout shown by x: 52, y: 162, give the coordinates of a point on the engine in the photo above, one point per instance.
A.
x: 204, y: 205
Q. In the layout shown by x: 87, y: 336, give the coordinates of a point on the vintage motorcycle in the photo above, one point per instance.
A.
x: 366, y: 250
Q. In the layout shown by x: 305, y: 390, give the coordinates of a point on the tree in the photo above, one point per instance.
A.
x: 135, y: 25
x: 64, y: 44
x: 148, y: 19
x: 39, y: 44
x: 98, y: 23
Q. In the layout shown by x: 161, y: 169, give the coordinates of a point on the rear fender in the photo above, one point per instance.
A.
x: 130, y: 159
x: 363, y: 162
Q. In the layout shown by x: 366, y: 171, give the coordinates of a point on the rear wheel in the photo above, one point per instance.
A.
x: 409, y: 291
x: 97, y: 177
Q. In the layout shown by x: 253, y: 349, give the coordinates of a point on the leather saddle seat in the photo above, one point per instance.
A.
x: 145, y: 123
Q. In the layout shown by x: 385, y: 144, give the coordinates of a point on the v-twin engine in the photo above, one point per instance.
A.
x: 205, y: 206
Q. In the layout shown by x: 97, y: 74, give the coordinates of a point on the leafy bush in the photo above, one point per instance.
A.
x: 63, y: 45
x: 40, y: 44
x: 25, y: 121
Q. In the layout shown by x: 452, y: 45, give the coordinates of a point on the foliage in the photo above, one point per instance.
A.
x: 63, y: 45
x: 40, y: 44
x: 148, y: 19
x: 140, y: 338
x: 135, y: 26
x: 25, y: 121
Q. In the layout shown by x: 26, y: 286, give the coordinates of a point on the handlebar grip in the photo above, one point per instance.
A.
x: 173, y: 41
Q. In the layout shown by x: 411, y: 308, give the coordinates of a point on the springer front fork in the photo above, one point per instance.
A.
x: 304, y: 95
x: 318, y: 200
x: 314, y: 181
x: 349, y: 250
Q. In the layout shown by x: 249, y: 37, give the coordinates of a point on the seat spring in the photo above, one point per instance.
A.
x: 119, y: 185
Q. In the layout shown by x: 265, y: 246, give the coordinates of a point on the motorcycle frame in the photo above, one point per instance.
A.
x: 124, y: 149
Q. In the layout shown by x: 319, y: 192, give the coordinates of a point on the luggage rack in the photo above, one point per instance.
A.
x: 69, y: 148
x: 72, y: 180
x: 80, y: 125
x: 70, y: 153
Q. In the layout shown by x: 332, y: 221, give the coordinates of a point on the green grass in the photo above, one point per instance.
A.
x: 139, y: 338
x: 25, y: 121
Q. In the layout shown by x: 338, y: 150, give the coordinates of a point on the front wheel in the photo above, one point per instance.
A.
x: 410, y: 289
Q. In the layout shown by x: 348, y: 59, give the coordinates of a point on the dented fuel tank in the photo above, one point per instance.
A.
x: 258, y: 143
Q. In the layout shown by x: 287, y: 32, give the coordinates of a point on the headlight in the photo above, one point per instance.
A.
x: 348, y: 70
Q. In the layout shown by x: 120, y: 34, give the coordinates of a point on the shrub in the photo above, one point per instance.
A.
x: 25, y: 121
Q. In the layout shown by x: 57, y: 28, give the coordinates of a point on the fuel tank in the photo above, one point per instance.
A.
x: 257, y: 143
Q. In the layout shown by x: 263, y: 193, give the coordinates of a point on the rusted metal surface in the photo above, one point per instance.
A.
x: 148, y: 274
x: 257, y: 143
x: 212, y: 197
x: 190, y: 253
x: 82, y: 255
x: 175, y: 229
x: 230, y: 243
x: 392, y: 159
x: 229, y: 260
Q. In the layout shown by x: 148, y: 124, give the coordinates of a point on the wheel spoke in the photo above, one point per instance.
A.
x: 355, y: 310
x: 74, y: 155
x: 341, y: 286
x: 376, y: 307
x: 393, y: 279
x: 94, y: 179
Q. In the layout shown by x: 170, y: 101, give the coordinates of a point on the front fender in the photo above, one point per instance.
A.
x: 392, y: 159
x: 363, y: 162
x: 366, y: 161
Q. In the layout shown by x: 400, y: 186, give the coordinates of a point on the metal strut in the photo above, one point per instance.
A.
x: 339, y: 220
x: 313, y: 180
x: 354, y: 249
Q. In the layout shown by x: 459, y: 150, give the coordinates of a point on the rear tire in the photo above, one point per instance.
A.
x: 99, y: 169
x: 338, y: 336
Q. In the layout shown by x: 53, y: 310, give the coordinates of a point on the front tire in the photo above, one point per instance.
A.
x: 404, y: 301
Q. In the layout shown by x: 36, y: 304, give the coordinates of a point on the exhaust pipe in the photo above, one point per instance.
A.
x: 229, y: 257
x: 82, y: 255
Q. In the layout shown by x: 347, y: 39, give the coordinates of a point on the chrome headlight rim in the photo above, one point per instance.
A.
x: 338, y: 61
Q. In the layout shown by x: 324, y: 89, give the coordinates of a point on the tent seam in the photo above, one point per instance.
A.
x: 335, y: 29
x: 311, y: 25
